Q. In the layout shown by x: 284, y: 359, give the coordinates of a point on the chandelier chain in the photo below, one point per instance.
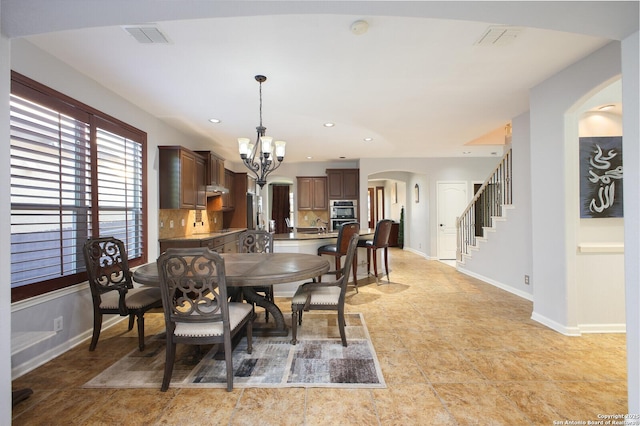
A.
x: 261, y: 157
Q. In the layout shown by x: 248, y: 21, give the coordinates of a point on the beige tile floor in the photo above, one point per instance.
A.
x: 453, y: 350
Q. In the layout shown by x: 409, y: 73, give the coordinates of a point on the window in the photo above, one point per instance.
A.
x: 75, y: 173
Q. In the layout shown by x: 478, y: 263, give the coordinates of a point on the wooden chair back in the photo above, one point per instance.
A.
x: 107, y: 269
x: 193, y: 286
x: 381, y: 236
x: 344, y: 236
x: 255, y: 241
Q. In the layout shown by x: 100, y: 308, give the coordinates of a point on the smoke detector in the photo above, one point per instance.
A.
x: 359, y: 27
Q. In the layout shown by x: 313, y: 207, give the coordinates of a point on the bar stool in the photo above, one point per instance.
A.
x: 380, y: 241
x: 339, y: 249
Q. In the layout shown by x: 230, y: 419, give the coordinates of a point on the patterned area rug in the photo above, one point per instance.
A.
x: 318, y: 360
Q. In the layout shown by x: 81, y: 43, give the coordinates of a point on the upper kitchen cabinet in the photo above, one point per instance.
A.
x: 228, y: 200
x: 214, y: 167
x: 343, y: 184
x: 181, y: 179
x: 312, y: 193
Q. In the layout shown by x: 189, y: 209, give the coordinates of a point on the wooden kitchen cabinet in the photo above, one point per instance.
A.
x: 238, y: 218
x: 343, y: 184
x: 222, y: 244
x: 214, y: 168
x: 228, y: 200
x: 181, y: 179
x: 312, y: 193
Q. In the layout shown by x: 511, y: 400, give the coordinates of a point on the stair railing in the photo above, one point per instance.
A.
x: 486, y: 204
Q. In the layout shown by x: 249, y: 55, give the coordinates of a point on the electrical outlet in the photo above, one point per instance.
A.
x: 161, y: 224
x: 215, y: 219
x: 182, y: 222
x: 526, y: 279
x: 57, y: 324
x: 170, y: 224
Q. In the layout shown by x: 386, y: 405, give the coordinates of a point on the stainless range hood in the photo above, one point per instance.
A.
x: 214, y: 190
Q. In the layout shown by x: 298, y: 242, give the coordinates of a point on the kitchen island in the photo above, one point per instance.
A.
x: 308, y: 243
x: 222, y: 241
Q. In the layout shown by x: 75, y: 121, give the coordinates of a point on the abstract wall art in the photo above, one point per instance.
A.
x: 601, y: 177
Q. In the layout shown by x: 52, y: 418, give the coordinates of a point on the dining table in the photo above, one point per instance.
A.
x: 248, y: 270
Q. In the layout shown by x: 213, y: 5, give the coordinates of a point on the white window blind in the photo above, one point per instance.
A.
x: 120, y: 189
x: 74, y: 175
x: 50, y: 192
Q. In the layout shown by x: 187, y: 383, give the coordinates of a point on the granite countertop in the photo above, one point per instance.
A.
x: 291, y: 236
x: 205, y: 236
x: 277, y: 237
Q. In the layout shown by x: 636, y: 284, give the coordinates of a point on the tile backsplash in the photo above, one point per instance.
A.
x: 187, y: 222
x: 309, y: 218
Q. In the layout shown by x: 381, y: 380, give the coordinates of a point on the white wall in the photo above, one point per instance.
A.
x: 420, y: 231
x: 631, y: 149
x: 5, y: 238
x: 554, y: 187
x: 389, y: 179
x: 505, y: 258
x: 74, y: 304
x: 600, y: 271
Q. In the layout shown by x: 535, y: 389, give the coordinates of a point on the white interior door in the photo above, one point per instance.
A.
x: 452, y: 200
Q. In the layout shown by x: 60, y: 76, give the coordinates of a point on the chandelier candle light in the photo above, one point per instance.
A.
x: 264, y: 164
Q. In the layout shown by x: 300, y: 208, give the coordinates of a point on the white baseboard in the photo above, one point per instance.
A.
x: 500, y: 285
x: 560, y: 328
x: 414, y: 251
x: 43, y: 358
x: 602, y: 328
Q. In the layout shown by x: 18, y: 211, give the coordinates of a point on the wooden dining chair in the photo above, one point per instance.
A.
x: 258, y: 241
x: 112, y: 290
x: 324, y: 295
x: 380, y: 241
x: 339, y: 249
x: 196, y: 306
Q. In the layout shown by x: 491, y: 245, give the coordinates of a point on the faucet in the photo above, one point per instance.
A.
x: 322, y: 226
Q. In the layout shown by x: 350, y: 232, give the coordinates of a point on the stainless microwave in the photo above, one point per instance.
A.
x: 343, y: 209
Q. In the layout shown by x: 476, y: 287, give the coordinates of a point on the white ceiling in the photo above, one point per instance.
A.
x: 418, y: 86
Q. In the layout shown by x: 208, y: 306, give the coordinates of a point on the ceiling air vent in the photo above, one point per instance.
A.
x: 146, y: 34
x: 498, y: 36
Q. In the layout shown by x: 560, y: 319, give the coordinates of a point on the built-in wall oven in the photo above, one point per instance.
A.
x: 341, y: 212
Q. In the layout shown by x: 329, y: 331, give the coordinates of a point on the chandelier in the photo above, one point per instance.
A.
x: 262, y: 149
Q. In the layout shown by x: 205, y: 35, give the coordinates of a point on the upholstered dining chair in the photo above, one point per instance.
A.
x: 258, y: 241
x: 380, y: 241
x: 339, y: 249
x: 324, y: 295
x: 112, y: 288
x: 197, y: 310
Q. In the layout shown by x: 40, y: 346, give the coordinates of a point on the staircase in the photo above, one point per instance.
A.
x: 488, y: 206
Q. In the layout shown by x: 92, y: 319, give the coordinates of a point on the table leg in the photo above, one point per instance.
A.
x: 280, y: 328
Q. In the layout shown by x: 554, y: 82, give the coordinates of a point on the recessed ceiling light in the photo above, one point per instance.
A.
x: 368, y: 139
x: 309, y: 158
x: 328, y: 124
x: 466, y: 152
x: 214, y: 120
x: 606, y: 107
